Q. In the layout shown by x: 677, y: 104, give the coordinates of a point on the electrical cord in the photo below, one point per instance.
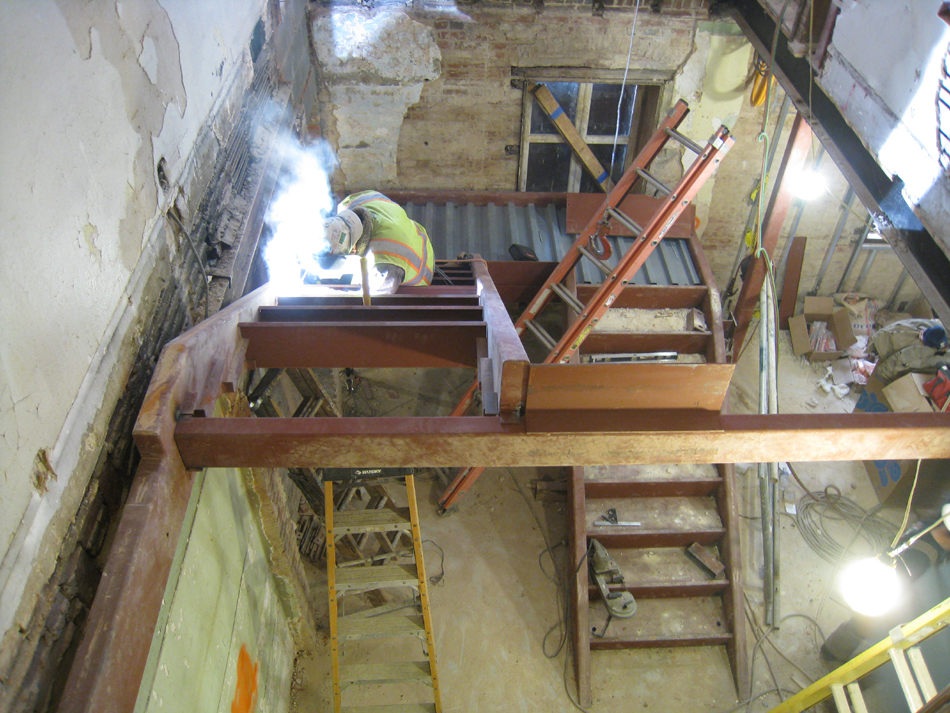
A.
x: 561, y: 598
x: 623, y: 86
x: 194, y: 249
x: 815, y: 509
x: 438, y: 580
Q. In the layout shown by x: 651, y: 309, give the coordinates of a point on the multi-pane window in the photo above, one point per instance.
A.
x: 547, y: 161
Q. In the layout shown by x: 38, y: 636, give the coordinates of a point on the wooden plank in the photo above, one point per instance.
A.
x: 568, y: 387
x: 567, y: 129
x: 362, y: 345
x: 581, y: 208
x: 373, y: 313
x: 651, y: 296
x: 793, y: 276
x: 646, y: 342
x: 451, y: 441
x: 579, y: 589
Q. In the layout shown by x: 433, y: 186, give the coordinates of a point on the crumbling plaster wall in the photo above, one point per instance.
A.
x: 95, y: 95
x: 886, y: 70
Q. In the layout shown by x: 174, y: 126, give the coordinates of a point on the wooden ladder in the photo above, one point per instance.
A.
x: 901, y: 648
x: 591, y: 245
x: 388, y: 621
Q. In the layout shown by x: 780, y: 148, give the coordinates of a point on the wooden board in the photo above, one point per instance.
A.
x: 628, y: 386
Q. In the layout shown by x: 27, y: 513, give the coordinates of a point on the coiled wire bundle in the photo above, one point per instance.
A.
x: 817, y: 512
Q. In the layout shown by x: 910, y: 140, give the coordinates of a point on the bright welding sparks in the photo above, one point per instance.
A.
x: 297, y: 215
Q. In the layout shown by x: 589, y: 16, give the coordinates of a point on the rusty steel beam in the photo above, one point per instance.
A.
x: 362, y: 344
x: 584, y: 438
x: 326, y: 314
x: 796, y: 151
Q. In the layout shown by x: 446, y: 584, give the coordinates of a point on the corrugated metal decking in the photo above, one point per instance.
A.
x: 489, y: 229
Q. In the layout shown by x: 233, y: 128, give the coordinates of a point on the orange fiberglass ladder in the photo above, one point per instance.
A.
x: 592, y: 245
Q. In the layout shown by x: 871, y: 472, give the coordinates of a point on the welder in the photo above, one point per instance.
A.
x: 370, y: 223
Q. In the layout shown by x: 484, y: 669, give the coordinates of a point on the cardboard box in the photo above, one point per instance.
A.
x: 888, y: 476
x: 884, y: 474
x: 821, y: 309
x: 907, y: 395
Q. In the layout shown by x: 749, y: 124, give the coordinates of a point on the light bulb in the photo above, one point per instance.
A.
x: 869, y: 586
x: 807, y: 185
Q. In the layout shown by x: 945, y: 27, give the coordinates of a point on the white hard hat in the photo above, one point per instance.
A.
x: 342, y: 231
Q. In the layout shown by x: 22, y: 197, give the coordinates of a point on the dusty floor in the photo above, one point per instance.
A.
x: 497, y: 601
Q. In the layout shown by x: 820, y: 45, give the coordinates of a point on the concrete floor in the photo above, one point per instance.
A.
x: 495, y: 603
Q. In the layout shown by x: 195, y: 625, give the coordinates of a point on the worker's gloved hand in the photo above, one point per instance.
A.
x: 385, y: 279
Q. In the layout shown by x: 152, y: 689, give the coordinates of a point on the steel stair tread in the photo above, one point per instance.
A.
x: 390, y: 575
x: 392, y: 625
x: 394, y: 708
x: 381, y: 520
x: 658, y: 642
x: 663, y: 572
x: 694, y: 621
x: 399, y: 672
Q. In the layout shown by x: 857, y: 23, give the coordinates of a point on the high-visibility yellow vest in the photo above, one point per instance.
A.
x: 396, y: 239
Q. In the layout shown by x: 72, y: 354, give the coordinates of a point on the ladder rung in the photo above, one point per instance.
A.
x: 381, y: 520
x: 906, y: 678
x: 600, y: 264
x: 685, y: 140
x: 569, y: 299
x: 389, y: 575
x: 378, y: 627
x: 394, y: 708
x: 840, y: 698
x: 654, y: 181
x: 385, y: 672
x: 924, y: 680
x: 626, y: 221
x: 541, y: 334
x: 857, y: 699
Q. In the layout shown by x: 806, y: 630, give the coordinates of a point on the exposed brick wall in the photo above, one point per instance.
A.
x: 455, y: 136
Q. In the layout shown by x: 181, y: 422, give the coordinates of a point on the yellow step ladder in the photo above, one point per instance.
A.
x: 901, y: 648
x: 388, y: 621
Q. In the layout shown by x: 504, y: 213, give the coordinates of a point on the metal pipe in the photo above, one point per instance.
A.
x: 898, y: 286
x: 854, y: 254
x: 765, y: 489
x: 771, y: 325
x: 833, y: 245
x: 865, y: 270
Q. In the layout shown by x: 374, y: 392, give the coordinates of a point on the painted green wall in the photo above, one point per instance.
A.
x: 220, y: 597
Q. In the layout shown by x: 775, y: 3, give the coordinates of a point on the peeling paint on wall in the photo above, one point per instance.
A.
x: 142, y: 30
